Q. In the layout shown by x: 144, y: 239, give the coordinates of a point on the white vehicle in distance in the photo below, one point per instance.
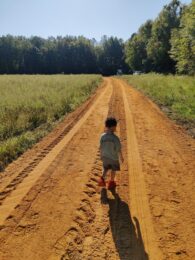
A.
x: 137, y: 72
x: 119, y: 72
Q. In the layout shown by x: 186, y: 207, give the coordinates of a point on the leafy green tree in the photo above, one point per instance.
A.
x: 183, y: 42
x: 85, y: 57
x: 159, y: 44
x: 135, y: 49
x: 8, y: 54
x: 110, y: 55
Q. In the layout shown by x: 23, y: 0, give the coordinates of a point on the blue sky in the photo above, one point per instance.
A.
x: 90, y: 18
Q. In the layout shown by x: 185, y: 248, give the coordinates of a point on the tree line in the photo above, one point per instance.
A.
x: 165, y: 45
x: 61, y: 55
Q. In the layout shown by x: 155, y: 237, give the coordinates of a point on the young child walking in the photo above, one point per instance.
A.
x: 110, y: 152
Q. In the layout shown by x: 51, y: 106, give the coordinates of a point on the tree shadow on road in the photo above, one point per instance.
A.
x: 126, y: 235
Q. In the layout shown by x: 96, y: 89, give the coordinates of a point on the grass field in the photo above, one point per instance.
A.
x: 30, y: 106
x: 175, y: 94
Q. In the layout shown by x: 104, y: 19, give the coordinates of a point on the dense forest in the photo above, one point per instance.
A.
x: 165, y: 45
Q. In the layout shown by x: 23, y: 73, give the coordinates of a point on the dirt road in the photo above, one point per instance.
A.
x: 51, y: 208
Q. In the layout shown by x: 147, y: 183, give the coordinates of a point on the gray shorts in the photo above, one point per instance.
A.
x: 110, y: 164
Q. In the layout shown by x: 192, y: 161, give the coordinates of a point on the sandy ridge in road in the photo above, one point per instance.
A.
x: 19, y: 169
x: 168, y: 164
x: 138, y: 197
x: 12, y: 201
x: 50, y: 203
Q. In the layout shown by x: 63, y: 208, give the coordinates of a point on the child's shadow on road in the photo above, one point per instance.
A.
x: 128, y: 242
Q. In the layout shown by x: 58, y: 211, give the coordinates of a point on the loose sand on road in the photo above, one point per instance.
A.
x: 51, y: 208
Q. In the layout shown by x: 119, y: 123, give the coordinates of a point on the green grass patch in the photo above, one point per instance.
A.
x: 30, y: 106
x: 177, y: 93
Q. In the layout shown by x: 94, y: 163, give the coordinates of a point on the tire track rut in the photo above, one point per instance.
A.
x: 7, y: 188
x: 105, y: 230
x: 20, y: 186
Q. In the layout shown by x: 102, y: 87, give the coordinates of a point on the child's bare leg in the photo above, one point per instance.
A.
x: 113, y: 174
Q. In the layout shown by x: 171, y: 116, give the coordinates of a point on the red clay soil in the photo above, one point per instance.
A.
x: 51, y: 207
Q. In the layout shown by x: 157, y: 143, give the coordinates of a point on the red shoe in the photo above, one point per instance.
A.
x: 101, y: 182
x: 111, y: 185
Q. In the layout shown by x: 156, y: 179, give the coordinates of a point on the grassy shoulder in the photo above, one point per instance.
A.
x: 31, y: 105
x: 174, y: 94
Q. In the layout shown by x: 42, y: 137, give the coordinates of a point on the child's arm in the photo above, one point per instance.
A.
x: 100, y: 150
x: 121, y: 156
x: 120, y: 150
